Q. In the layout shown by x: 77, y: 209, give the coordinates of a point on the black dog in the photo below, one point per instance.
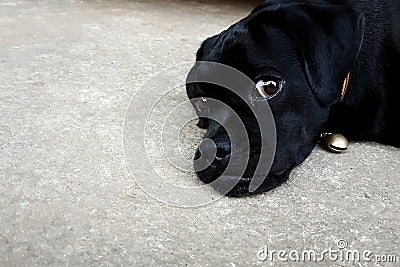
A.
x: 299, y: 53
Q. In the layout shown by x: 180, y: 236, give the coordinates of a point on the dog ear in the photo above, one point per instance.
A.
x: 330, y: 38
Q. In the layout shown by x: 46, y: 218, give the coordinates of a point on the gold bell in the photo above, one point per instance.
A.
x: 335, y: 143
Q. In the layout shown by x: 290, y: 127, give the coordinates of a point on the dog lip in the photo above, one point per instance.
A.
x: 241, y: 186
x: 280, y: 173
x: 270, y: 182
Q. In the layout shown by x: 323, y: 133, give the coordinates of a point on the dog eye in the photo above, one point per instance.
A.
x: 201, y: 104
x: 269, y: 87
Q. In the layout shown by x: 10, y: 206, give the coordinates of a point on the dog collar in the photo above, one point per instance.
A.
x: 345, y: 86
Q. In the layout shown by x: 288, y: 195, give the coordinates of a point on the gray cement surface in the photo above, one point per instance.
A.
x: 68, y: 70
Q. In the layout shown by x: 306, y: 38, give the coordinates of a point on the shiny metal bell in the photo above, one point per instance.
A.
x: 335, y: 143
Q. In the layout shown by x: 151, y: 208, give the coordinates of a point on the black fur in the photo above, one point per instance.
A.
x: 311, y: 45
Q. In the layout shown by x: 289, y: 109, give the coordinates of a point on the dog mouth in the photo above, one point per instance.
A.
x: 242, y: 186
x: 235, y: 185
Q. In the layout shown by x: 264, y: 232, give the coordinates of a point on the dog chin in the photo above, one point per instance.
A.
x: 242, y: 187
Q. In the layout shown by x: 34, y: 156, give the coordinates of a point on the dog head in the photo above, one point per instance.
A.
x: 298, y: 56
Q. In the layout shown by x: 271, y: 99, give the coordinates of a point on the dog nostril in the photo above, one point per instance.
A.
x: 216, y: 149
x: 223, y: 148
x: 197, y: 155
x: 222, y: 153
x: 206, y: 150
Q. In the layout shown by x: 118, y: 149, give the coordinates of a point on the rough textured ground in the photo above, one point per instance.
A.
x: 68, y: 70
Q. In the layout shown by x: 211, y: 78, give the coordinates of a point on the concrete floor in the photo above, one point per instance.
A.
x: 68, y: 70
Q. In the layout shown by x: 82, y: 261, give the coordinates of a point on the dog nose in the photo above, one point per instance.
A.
x: 212, y: 158
x: 216, y: 150
x: 223, y: 148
